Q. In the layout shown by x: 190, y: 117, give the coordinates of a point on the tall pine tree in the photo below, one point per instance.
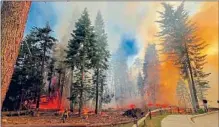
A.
x: 28, y: 74
x: 182, y: 45
x: 81, y: 51
x: 101, y: 57
x: 45, y: 42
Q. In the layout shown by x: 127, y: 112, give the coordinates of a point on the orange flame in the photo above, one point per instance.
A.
x: 132, y: 106
x: 85, y: 111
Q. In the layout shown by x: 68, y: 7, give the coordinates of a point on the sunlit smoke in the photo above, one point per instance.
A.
x: 207, y: 23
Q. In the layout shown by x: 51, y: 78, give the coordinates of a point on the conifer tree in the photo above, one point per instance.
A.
x: 101, y: 57
x: 27, y: 79
x: 182, y: 45
x: 199, y: 60
x: 81, y: 51
x: 45, y: 41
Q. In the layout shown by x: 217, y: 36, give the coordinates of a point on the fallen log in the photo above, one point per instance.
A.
x: 15, y: 113
x: 135, y: 113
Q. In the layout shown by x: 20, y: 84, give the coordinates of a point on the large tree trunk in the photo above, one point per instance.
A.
x: 13, y: 19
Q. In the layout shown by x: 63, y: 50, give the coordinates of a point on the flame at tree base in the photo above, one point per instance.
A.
x: 53, y: 102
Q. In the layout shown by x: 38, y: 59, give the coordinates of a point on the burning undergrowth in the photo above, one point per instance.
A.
x: 107, y: 117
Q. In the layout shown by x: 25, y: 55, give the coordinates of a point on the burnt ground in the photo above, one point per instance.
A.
x: 107, y: 118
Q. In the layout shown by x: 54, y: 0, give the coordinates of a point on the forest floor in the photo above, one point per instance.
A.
x: 108, y: 118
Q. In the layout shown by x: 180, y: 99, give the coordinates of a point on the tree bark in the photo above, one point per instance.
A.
x: 71, y: 89
x: 82, y: 88
x: 42, y: 77
x: 101, y: 95
x: 97, y: 91
x: 21, y: 98
x: 192, y: 83
x: 13, y: 19
x: 59, y: 86
x: 61, y: 91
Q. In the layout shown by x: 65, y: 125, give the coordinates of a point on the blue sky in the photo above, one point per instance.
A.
x: 38, y: 17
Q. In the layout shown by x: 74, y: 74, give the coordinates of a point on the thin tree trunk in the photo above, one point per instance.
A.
x: 61, y: 91
x: 191, y: 91
x: 42, y: 77
x: 193, y: 87
x: 13, y: 19
x: 59, y: 85
x: 22, y: 96
x: 81, y: 89
x: 101, y: 96
x: 49, y: 87
x: 194, y: 94
x: 71, y: 89
x: 60, y: 76
x: 97, y: 91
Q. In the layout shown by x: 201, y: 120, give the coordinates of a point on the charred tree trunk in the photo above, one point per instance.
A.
x: 13, y: 19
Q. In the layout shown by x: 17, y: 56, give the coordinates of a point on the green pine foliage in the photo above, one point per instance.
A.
x: 27, y: 79
x: 81, y: 53
x: 183, y: 46
x: 100, y: 60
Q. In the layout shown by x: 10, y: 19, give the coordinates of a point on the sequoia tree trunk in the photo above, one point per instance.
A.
x: 13, y: 19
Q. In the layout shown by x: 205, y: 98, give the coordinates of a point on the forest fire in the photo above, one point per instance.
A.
x: 132, y: 106
x: 85, y: 111
x: 50, y: 102
x: 93, y: 69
